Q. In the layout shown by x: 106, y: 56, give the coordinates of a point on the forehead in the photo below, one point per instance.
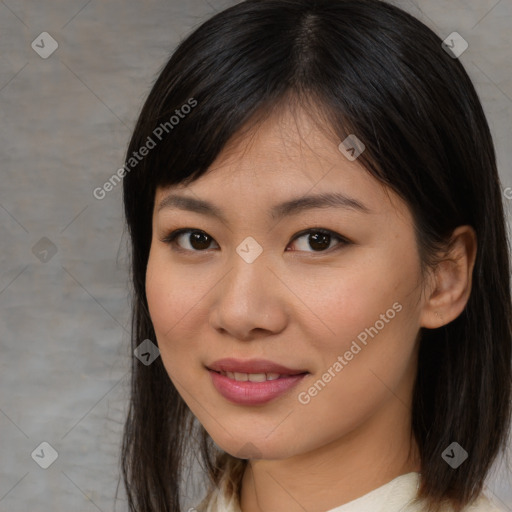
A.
x: 287, y: 155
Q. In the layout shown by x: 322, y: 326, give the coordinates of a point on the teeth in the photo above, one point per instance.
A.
x: 253, y: 377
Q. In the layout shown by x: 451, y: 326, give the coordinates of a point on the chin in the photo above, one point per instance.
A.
x: 254, y: 449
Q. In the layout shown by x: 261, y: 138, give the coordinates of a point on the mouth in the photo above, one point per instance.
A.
x: 253, y: 382
x: 250, y: 369
x: 255, y: 377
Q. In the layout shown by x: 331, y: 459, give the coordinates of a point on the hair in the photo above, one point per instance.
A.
x: 358, y: 66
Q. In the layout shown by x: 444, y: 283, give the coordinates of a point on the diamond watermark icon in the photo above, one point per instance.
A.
x: 352, y: 147
x: 44, y: 250
x: 454, y: 455
x: 146, y: 352
x: 249, y: 451
x: 44, y: 45
x: 45, y: 455
x: 249, y: 249
x: 455, y: 45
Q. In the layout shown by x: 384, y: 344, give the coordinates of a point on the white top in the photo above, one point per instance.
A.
x: 394, y: 496
x: 397, y: 495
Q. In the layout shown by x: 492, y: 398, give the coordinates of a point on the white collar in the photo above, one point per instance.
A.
x: 394, y: 495
x: 397, y: 495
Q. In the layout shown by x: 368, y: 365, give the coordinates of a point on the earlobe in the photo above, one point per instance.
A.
x: 451, y: 280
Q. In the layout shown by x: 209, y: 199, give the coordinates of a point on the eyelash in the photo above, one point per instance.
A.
x: 171, y: 239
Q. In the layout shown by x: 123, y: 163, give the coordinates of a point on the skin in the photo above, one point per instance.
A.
x: 301, y: 308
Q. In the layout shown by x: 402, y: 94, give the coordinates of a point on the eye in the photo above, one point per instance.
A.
x: 319, y: 240
x: 197, y: 240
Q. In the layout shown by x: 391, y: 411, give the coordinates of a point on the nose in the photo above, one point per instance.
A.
x: 250, y: 301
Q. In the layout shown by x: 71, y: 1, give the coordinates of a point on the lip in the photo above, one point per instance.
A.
x: 252, y: 366
x: 253, y: 393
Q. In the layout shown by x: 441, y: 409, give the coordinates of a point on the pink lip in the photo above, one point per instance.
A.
x: 253, y: 393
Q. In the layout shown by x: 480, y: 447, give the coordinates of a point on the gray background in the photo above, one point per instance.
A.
x: 65, y: 124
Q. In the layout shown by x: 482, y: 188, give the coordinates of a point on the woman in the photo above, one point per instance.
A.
x: 320, y: 255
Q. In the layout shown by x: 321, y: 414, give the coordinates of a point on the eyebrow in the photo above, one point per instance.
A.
x: 285, y: 209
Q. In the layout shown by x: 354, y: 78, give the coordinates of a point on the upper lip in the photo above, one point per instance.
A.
x: 252, y: 366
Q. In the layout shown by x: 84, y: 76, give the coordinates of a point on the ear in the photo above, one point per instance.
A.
x: 450, y: 287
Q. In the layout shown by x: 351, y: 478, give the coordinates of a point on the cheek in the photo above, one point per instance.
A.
x: 175, y: 303
x: 169, y: 300
x: 373, y: 313
x: 348, y: 300
x: 171, y: 295
x: 159, y: 284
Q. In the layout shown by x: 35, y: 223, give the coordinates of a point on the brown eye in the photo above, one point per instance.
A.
x: 319, y: 240
x: 196, y: 240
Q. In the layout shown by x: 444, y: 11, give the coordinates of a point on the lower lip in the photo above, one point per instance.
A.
x: 253, y: 393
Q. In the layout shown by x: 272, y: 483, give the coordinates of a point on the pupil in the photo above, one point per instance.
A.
x: 199, y: 240
x: 316, y: 244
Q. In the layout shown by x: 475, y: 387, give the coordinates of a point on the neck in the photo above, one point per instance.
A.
x: 337, y: 472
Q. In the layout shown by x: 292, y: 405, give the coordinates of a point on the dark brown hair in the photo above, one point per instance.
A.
x: 368, y: 68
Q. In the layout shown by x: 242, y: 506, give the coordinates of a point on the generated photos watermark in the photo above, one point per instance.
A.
x: 454, y: 455
x: 305, y: 397
x: 137, y: 156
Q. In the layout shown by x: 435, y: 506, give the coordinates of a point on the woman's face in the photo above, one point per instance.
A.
x: 249, y: 282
